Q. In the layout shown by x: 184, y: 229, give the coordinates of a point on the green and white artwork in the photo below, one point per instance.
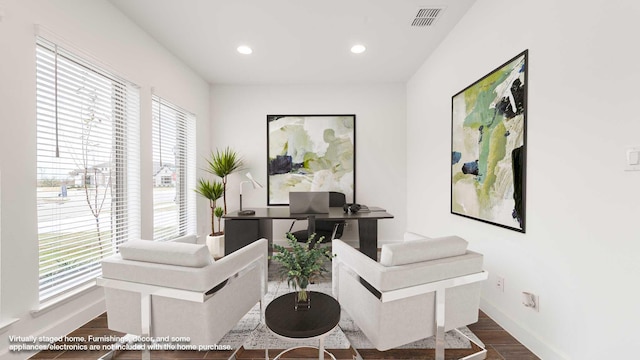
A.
x: 488, y: 143
x: 310, y: 153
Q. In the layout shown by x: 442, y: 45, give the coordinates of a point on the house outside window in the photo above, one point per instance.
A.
x: 174, y: 211
x: 87, y: 125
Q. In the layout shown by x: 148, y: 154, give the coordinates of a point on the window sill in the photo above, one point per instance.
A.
x: 6, y: 324
x: 62, y: 299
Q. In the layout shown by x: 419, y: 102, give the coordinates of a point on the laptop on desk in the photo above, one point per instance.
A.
x: 309, y: 202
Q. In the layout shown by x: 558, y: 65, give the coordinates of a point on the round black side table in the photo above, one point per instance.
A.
x: 315, y: 323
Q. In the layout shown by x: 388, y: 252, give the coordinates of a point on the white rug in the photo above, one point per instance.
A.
x: 255, y: 335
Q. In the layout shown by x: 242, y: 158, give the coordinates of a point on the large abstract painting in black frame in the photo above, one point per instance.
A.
x: 310, y: 153
x: 488, y: 147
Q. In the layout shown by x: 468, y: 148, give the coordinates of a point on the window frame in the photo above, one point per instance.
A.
x: 120, y: 175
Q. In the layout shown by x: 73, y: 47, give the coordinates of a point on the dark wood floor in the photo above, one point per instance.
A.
x: 500, y: 346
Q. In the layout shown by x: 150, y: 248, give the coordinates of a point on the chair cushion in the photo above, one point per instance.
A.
x: 414, y: 251
x: 170, y: 253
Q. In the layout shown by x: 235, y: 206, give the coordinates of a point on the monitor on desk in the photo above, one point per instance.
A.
x: 309, y: 202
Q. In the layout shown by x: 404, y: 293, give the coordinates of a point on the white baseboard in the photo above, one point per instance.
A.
x: 522, y: 334
x: 77, y: 319
x: 63, y: 326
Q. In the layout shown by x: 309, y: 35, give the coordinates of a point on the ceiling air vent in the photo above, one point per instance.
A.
x: 426, y: 17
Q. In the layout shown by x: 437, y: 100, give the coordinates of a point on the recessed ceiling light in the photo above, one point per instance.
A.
x: 358, y: 49
x: 244, y: 50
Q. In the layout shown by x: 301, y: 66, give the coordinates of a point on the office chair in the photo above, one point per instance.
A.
x: 330, y: 229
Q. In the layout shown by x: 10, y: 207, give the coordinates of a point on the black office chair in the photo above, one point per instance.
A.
x: 330, y: 229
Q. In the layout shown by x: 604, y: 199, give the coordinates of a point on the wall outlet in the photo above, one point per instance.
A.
x: 633, y: 159
x: 530, y: 300
x: 500, y: 283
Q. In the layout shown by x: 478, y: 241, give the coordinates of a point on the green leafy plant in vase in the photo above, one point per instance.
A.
x: 301, y: 264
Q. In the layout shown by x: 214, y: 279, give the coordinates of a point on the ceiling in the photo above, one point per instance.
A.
x: 296, y: 41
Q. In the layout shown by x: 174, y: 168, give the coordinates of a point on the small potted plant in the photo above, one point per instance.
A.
x: 213, y: 191
x: 302, y: 265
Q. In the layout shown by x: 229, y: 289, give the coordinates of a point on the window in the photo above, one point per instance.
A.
x: 88, y: 167
x: 174, y: 211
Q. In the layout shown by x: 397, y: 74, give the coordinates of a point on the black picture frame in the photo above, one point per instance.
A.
x: 489, y: 147
x: 310, y: 153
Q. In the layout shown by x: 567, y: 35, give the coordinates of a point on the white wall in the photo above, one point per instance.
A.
x: 581, y: 251
x: 100, y: 30
x: 239, y: 120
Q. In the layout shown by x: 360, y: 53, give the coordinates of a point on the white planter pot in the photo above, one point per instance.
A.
x: 216, y: 245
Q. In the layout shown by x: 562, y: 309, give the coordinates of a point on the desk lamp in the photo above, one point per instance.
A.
x: 255, y: 185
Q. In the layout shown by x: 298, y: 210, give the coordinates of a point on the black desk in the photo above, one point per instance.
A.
x: 241, y: 230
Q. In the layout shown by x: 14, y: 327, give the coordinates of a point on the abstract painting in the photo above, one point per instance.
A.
x: 488, y: 147
x: 310, y: 153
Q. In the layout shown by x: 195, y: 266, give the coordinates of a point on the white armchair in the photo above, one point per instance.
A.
x: 421, y: 287
x: 161, y: 289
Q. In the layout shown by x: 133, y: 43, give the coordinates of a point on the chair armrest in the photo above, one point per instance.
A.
x: 361, y: 264
x: 337, y: 226
x: 294, y: 222
x: 229, y: 265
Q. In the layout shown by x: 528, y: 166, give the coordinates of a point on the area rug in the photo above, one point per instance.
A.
x: 253, y: 335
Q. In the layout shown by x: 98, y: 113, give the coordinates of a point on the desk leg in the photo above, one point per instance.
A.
x: 368, y: 234
x: 266, y: 231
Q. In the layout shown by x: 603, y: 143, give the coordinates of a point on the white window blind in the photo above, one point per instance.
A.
x: 88, y: 160
x: 174, y: 178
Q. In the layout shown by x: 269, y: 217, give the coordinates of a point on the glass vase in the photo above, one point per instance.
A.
x: 302, y: 300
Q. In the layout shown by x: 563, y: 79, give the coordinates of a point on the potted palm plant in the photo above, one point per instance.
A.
x: 222, y: 163
x: 302, y: 265
x: 213, y: 191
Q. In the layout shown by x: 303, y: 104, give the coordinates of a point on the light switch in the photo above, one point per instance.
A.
x: 633, y: 159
